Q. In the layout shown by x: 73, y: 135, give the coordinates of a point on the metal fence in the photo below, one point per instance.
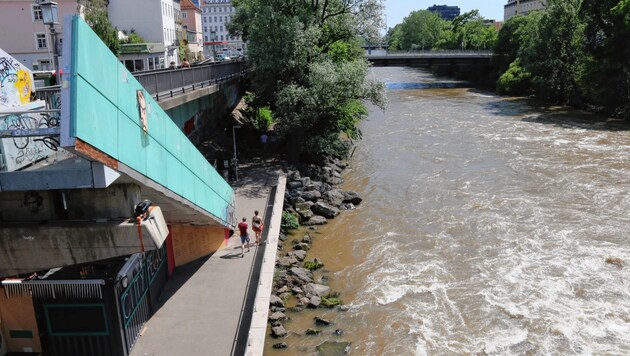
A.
x: 168, y: 83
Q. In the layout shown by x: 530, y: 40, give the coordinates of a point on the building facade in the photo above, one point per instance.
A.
x: 152, y: 20
x: 521, y: 7
x: 216, y: 14
x: 24, y: 35
x: 446, y: 12
x: 191, y: 20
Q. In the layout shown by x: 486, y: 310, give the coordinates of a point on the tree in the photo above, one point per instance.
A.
x: 555, y: 50
x: 421, y: 30
x: 606, y: 77
x: 308, y: 67
x: 95, y: 12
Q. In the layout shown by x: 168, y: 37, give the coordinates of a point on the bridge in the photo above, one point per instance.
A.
x: 431, y: 59
x: 76, y: 164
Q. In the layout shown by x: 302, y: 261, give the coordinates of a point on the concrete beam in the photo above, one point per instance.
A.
x: 36, y: 247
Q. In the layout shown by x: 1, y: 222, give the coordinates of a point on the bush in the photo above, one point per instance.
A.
x: 289, y: 221
x: 515, y: 80
x: 313, y: 265
x: 331, y: 300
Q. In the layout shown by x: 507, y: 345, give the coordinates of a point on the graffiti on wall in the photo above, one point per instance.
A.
x: 18, y: 152
x: 16, y: 82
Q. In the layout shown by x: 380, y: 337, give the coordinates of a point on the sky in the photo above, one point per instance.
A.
x: 397, y: 10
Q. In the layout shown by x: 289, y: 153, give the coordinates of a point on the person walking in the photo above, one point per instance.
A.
x: 257, y: 226
x: 185, y: 63
x: 242, y: 227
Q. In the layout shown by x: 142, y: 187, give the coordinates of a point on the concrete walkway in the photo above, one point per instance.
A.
x: 210, y: 304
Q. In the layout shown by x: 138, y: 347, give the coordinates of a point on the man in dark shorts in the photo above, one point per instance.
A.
x: 242, y: 228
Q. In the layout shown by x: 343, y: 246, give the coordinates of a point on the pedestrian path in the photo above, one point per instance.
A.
x: 208, y: 304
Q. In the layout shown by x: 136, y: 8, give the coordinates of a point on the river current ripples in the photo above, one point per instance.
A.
x: 486, y: 227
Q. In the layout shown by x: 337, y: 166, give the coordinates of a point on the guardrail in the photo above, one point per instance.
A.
x: 168, y: 83
x: 437, y: 52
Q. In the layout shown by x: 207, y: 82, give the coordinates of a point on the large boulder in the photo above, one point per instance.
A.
x: 278, y: 331
x: 305, y: 215
x: 294, y: 184
x: 313, y: 289
x: 277, y: 316
x: 288, y: 261
x: 315, y: 185
x: 315, y: 220
x: 311, y: 195
x: 334, y: 197
x: 302, y: 274
x: 350, y: 196
x: 314, y: 302
x: 306, y: 205
x: 275, y: 301
x: 325, y: 210
x: 300, y: 255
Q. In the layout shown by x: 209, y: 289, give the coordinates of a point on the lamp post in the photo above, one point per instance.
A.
x: 235, y: 159
x: 213, y: 36
x: 50, y: 18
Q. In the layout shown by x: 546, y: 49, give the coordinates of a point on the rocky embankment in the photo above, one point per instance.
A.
x: 313, y: 197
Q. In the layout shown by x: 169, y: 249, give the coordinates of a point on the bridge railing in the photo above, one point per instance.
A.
x: 437, y: 53
x: 167, y: 83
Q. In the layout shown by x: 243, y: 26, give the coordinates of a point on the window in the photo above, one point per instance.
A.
x: 184, y: 15
x: 215, y: 19
x: 220, y: 18
x: 44, y: 65
x: 40, y: 41
x: 37, y: 12
x: 206, y: 38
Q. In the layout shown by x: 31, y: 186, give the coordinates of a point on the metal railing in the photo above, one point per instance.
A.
x: 168, y: 83
x: 454, y: 53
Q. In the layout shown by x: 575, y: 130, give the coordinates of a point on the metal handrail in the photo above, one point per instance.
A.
x: 173, y: 80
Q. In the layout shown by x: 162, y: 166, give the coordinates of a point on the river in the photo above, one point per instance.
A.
x: 486, y: 227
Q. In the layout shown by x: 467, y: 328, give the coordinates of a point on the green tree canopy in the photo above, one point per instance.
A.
x: 307, y: 65
x: 421, y: 30
x: 95, y: 12
x: 606, y: 79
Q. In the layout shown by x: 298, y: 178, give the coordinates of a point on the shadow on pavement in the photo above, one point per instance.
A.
x: 180, y: 276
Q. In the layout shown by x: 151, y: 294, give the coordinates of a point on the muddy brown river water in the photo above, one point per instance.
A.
x: 486, y: 227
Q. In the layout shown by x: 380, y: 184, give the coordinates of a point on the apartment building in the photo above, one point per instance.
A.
x: 191, y: 21
x: 153, y: 20
x: 216, y: 14
x: 521, y: 7
x: 24, y: 35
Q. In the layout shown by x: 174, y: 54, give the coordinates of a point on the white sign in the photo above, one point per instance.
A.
x: 16, y: 82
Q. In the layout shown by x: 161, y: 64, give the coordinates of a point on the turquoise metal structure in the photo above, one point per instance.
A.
x: 105, y: 109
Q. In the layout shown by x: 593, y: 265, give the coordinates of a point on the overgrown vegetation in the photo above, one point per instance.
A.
x: 308, y: 68
x: 573, y: 52
x: 330, y: 300
x: 313, y: 265
x: 96, y: 16
x: 289, y: 221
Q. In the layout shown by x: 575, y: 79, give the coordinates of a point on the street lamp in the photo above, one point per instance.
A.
x: 213, y: 38
x: 50, y: 18
x: 235, y: 159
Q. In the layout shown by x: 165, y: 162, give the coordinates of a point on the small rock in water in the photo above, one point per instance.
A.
x: 333, y: 348
x: 312, y: 332
x: 321, y: 321
x: 280, y: 345
x: 338, y: 332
